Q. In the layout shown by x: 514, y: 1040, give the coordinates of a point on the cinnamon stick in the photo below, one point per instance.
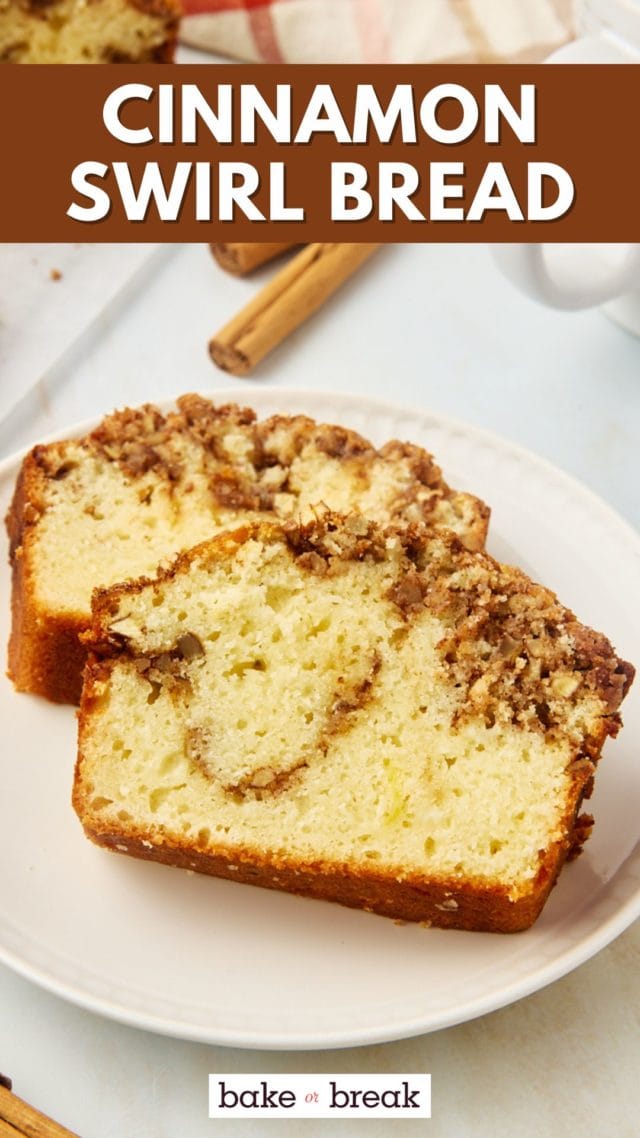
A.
x: 19, y: 1120
x: 243, y: 257
x: 8, y: 1131
x: 284, y: 303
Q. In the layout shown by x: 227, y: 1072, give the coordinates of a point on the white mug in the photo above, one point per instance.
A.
x: 572, y: 277
x: 617, y: 20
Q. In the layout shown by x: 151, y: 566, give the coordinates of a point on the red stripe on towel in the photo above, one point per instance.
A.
x: 264, y: 31
x: 371, y: 26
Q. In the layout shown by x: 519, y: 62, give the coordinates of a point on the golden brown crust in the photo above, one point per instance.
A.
x: 445, y: 903
x: 45, y: 655
x: 171, y: 12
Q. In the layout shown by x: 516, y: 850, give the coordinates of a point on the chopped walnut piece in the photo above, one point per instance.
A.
x: 189, y: 646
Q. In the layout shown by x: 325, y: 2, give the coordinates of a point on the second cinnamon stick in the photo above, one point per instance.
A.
x: 284, y: 303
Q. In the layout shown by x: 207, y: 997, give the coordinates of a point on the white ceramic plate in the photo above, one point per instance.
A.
x: 232, y: 964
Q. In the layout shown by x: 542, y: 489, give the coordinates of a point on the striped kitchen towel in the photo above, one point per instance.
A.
x: 378, y: 31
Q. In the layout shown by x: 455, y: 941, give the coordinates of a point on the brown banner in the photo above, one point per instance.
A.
x: 472, y: 155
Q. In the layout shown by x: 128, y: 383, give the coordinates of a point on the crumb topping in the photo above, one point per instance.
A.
x: 262, y: 466
x: 512, y: 652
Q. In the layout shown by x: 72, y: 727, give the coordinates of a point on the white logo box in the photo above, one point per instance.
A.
x: 320, y: 1096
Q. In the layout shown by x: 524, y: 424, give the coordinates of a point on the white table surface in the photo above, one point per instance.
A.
x: 436, y: 327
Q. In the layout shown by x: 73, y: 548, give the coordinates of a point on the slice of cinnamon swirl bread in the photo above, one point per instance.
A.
x: 367, y: 715
x: 145, y: 485
x: 88, y: 31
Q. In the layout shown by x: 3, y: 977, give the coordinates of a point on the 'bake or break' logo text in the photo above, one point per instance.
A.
x: 320, y: 1096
